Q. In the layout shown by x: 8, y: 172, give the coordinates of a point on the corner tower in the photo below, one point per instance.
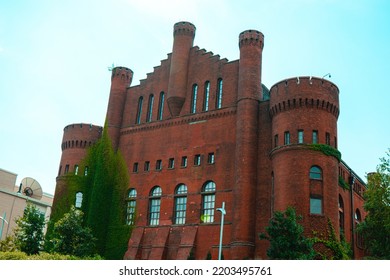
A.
x: 305, y: 160
x: 251, y: 44
x: 121, y: 78
x: 184, y: 34
x: 75, y: 142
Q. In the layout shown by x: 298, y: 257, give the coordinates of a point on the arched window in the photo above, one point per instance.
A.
x: 194, y: 98
x: 358, y: 217
x: 161, y: 106
x: 131, y: 204
x: 206, y: 96
x: 218, y: 100
x: 79, y: 200
x: 154, y: 206
x: 150, y: 108
x: 139, y: 110
x: 359, y: 238
x: 208, y: 202
x: 341, y: 214
x: 315, y: 173
x: 180, y: 204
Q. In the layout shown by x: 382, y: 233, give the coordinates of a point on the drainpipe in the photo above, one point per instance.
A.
x: 351, y: 182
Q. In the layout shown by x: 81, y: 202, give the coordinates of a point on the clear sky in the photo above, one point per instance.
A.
x: 54, y: 57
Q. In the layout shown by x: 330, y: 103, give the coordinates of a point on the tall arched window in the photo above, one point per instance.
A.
x: 79, y: 200
x: 218, y: 100
x: 150, y: 108
x: 180, y: 204
x: 206, y: 96
x: 139, y: 110
x: 315, y: 172
x: 208, y: 202
x: 341, y: 214
x: 154, y: 206
x: 359, y: 238
x: 131, y: 204
x: 161, y: 106
x: 194, y: 98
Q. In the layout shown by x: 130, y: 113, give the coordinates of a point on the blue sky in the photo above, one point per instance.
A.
x: 54, y: 57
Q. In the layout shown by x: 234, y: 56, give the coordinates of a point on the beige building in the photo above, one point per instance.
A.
x: 14, y: 198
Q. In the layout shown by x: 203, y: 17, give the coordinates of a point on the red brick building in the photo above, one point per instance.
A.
x: 201, y: 130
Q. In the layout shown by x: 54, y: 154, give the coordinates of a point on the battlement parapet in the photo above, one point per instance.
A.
x: 251, y: 38
x: 184, y: 28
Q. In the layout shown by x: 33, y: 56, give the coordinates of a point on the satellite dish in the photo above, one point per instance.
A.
x: 31, y: 188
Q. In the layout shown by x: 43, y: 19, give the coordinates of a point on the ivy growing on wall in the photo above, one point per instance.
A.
x: 339, y: 249
x: 343, y: 184
x: 104, y: 193
x: 326, y: 150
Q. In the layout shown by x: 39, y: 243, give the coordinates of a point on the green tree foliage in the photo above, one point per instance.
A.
x: 29, y: 235
x: 375, y: 228
x: 8, y: 244
x: 70, y: 237
x: 287, y: 241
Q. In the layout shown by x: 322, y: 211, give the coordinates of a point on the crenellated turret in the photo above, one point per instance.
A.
x: 77, y: 138
x: 249, y: 94
x: 304, y: 112
x: 184, y: 33
x: 120, y: 80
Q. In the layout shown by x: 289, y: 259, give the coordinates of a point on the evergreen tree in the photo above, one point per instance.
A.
x: 29, y: 231
x: 287, y: 241
x: 375, y: 228
x: 70, y: 237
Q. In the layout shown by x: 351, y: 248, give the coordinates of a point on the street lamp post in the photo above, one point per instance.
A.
x: 223, y: 213
x: 2, y: 224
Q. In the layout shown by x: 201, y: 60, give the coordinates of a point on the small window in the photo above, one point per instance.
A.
x: 315, y: 173
x: 335, y: 142
x: 76, y: 169
x: 67, y: 169
x: 327, y: 138
x: 316, y: 205
x: 286, y: 138
x: 159, y: 164
x: 135, y: 167
x: 211, y: 158
x: 79, y: 199
x: 147, y: 166
x: 171, y: 163
x: 59, y: 170
x: 315, y: 137
x: 197, y: 160
x: 184, y: 161
x: 276, y: 140
x: 300, y: 136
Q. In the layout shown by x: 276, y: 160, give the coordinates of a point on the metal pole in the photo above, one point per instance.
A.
x: 223, y: 212
x: 2, y: 224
